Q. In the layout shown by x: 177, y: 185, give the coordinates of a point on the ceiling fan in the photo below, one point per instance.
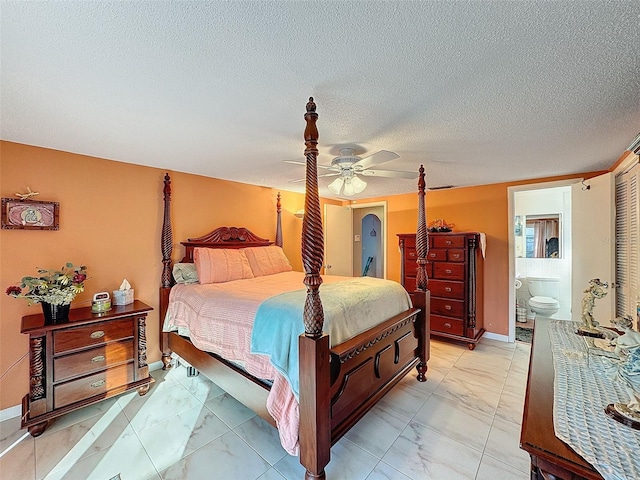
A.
x: 347, y: 166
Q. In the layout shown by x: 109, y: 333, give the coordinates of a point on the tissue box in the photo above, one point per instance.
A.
x: 122, y: 297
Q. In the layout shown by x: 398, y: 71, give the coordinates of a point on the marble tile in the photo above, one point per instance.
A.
x: 475, y: 379
x: 11, y: 432
x: 511, y: 406
x: 199, y: 386
x: 516, y: 383
x: 503, y: 444
x: 403, y: 400
x: 263, y: 438
x: 83, y: 414
x: 466, y: 390
x: 165, y: 401
x: 434, y: 376
x: 226, y: 457
x: 422, y: 453
x: 348, y: 461
x: 444, y: 355
x: 377, y: 430
x: 125, y: 459
x: 169, y: 441
x: 271, y: 474
x: 449, y: 417
x: 385, y: 472
x: 229, y: 410
x: 59, y: 449
x: 19, y: 462
x: 492, y: 469
x: 496, y: 367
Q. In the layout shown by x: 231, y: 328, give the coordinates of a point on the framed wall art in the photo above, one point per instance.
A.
x: 29, y: 214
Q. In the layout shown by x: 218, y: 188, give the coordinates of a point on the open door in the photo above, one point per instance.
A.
x: 338, y: 240
x: 592, y: 245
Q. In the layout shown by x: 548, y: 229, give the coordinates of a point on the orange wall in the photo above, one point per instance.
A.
x: 479, y: 209
x: 110, y: 220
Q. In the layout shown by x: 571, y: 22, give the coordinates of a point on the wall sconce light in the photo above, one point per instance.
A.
x: 299, y: 213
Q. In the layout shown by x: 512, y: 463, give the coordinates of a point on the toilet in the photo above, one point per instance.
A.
x: 544, y: 296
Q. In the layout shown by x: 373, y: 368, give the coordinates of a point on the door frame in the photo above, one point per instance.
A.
x: 384, y: 220
x: 511, y: 337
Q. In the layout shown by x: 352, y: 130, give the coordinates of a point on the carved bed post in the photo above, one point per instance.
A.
x: 422, y: 296
x: 278, y: 241
x: 315, y: 423
x: 166, y: 245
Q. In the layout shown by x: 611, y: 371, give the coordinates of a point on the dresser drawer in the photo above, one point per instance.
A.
x: 410, y: 284
x: 90, y: 335
x: 455, y: 255
x: 87, y: 387
x: 447, y: 325
x: 448, y: 307
x: 410, y: 267
x: 92, y: 360
x: 448, y: 241
x: 444, y: 288
x: 435, y: 255
x: 453, y: 271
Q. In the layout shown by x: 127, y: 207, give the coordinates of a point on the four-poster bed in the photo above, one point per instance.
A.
x: 338, y: 383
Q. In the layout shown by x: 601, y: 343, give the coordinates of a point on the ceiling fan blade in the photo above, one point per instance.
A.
x: 326, y: 167
x: 298, y: 180
x: 376, y: 159
x: 389, y: 173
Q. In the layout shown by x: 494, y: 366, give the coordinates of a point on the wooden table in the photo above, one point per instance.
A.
x: 551, y: 458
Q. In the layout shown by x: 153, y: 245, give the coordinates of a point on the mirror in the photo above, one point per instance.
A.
x: 538, y: 236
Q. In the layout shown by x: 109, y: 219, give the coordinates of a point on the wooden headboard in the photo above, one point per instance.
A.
x: 223, y: 237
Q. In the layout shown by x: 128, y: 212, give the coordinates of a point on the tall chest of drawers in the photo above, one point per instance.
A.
x: 90, y: 357
x: 455, y: 269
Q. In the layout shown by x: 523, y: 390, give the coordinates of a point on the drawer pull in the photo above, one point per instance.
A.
x: 447, y: 307
x: 98, y: 358
x: 448, y: 270
x: 97, y: 334
x: 412, y: 254
x: 456, y: 255
x: 448, y: 242
x: 447, y: 289
x: 432, y: 255
x: 98, y: 383
x: 447, y: 325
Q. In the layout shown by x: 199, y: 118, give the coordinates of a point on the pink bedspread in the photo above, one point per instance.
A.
x: 219, y: 318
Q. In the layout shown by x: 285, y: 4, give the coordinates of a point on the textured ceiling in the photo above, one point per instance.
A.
x: 480, y: 92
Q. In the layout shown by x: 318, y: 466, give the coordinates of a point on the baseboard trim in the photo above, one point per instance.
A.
x: 496, y: 336
x: 16, y: 410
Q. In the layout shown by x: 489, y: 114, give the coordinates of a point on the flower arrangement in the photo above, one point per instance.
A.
x: 57, y: 287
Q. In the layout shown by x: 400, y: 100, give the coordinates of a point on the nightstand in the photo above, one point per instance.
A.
x: 89, y: 358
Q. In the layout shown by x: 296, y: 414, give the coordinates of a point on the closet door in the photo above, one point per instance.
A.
x: 628, y: 242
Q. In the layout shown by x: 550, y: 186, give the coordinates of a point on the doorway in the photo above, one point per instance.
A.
x: 356, y: 235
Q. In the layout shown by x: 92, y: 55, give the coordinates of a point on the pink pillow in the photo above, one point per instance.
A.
x: 267, y: 260
x: 216, y: 265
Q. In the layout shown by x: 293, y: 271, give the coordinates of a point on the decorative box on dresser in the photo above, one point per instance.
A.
x: 90, y: 357
x: 455, y: 269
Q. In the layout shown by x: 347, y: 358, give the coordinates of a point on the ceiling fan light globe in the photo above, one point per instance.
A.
x: 358, y: 185
x: 348, y: 188
x: 335, y: 186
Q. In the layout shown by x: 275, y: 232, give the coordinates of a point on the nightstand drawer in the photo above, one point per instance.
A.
x: 95, y: 334
x: 92, y: 360
x: 87, y: 387
x: 447, y: 325
x: 448, y: 307
x: 446, y: 289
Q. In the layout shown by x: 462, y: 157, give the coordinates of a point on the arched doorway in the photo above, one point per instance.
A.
x: 372, y: 255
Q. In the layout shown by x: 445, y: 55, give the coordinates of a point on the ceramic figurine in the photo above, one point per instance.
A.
x: 595, y: 290
x: 627, y: 347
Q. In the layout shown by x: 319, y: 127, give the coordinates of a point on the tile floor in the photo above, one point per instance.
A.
x: 463, y: 423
